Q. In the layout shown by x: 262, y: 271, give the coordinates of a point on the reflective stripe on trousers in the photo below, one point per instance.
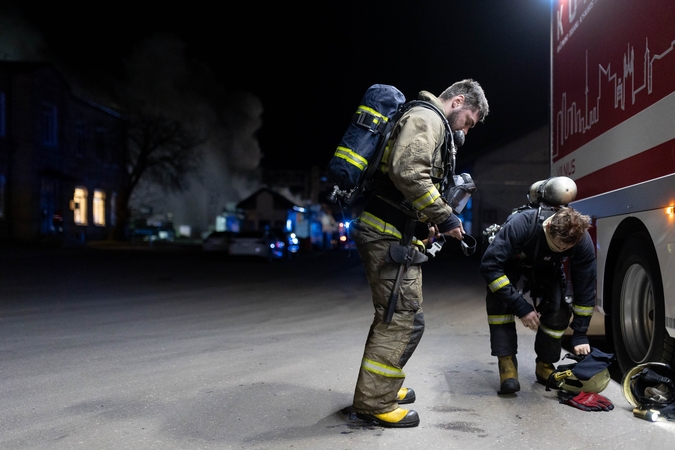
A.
x: 503, y: 335
x: 388, y: 346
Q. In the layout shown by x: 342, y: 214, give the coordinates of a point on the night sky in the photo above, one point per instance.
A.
x: 309, y: 63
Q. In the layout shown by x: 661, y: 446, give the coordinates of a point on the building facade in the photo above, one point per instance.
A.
x: 504, y: 175
x: 61, y: 158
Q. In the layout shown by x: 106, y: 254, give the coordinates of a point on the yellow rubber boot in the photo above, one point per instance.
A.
x: 398, y: 418
x: 405, y: 395
x: 508, y: 375
x: 543, y: 371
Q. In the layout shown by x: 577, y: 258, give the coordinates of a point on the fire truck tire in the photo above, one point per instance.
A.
x: 638, y: 323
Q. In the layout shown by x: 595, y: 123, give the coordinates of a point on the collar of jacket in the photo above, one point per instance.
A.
x: 431, y: 98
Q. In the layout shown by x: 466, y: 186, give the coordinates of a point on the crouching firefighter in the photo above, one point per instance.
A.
x: 406, y: 207
x: 532, y: 246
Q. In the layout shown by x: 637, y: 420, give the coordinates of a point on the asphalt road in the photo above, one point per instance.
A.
x: 170, y: 348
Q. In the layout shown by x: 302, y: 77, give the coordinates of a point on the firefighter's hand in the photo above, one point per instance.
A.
x: 433, y: 233
x: 582, y: 349
x: 531, y: 320
x: 457, y: 233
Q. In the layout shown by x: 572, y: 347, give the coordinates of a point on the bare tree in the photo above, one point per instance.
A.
x: 161, y: 150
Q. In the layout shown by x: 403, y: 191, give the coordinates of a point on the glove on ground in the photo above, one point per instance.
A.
x: 586, y: 401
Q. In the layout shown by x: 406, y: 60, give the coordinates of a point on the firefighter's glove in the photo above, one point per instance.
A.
x: 586, y: 401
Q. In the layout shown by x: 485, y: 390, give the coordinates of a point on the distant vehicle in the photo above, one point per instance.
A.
x: 292, y: 242
x: 152, y: 230
x: 344, y: 241
x: 271, y: 244
x: 218, y: 241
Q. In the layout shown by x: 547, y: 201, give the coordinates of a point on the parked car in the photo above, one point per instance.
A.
x: 152, y: 230
x: 218, y: 241
x: 269, y: 244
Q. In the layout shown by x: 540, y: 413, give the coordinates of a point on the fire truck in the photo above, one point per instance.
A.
x: 613, y: 132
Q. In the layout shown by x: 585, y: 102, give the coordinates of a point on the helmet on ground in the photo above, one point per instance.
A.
x: 555, y: 191
x: 649, y: 385
x: 597, y: 383
x: 589, y: 374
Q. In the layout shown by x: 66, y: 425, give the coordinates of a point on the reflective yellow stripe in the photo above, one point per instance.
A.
x: 381, y: 369
x: 582, y: 310
x: 385, y: 227
x: 556, y: 334
x: 426, y: 200
x: 501, y: 320
x: 352, y: 158
x: 361, y: 109
x: 385, y: 157
x: 379, y: 224
x: 499, y: 283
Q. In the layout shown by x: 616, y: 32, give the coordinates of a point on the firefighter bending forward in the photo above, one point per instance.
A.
x: 514, y: 253
x: 414, y: 165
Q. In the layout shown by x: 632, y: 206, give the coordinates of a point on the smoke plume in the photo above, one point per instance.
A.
x: 159, y: 73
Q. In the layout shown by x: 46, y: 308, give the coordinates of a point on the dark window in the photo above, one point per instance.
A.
x: 49, y: 124
x: 99, y: 144
x: 80, y: 138
x: 2, y: 114
x: 2, y: 196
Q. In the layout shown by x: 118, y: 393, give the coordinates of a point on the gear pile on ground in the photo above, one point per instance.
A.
x: 580, y: 383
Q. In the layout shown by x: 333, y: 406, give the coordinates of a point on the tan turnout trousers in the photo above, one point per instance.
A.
x: 388, y: 346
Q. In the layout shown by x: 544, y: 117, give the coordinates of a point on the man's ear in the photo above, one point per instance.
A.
x: 458, y: 101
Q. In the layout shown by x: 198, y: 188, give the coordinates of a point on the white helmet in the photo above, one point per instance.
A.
x: 555, y: 191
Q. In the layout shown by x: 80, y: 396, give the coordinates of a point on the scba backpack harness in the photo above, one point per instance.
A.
x: 352, y: 167
x: 547, y: 196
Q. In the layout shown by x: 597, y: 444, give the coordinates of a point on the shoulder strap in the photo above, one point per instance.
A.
x: 535, y: 229
x: 539, y: 219
x: 386, y: 133
x: 448, y: 153
x: 431, y: 106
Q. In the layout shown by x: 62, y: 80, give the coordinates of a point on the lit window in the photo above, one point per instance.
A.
x: 99, y: 208
x: 49, y: 116
x: 79, y: 206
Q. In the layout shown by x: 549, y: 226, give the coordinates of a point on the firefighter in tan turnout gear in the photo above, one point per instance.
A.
x: 407, y: 197
x: 531, y: 246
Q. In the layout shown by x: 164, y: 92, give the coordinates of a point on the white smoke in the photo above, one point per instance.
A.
x: 160, y: 74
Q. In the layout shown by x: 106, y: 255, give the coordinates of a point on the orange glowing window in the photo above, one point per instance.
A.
x: 79, y: 206
x: 99, y: 208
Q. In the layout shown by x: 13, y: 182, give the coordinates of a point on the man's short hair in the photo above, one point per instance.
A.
x: 569, y: 225
x: 474, y: 97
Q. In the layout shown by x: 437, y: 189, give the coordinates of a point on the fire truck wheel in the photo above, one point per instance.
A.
x: 638, y: 323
